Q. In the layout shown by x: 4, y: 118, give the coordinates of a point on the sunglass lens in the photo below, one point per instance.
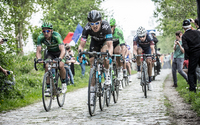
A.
x: 97, y: 23
x: 44, y: 31
x: 92, y: 24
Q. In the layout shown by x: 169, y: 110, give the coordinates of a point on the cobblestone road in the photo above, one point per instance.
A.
x: 132, y: 108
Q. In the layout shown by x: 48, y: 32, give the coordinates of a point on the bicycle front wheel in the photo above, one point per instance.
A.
x: 92, y: 92
x: 47, y: 92
x: 144, y: 83
x: 116, y: 90
x: 60, y: 96
x: 101, y: 93
x: 109, y: 89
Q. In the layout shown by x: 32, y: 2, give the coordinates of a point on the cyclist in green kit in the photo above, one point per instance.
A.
x: 119, y: 47
x: 56, y: 51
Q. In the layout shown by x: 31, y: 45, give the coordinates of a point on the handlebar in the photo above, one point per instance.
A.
x: 45, y: 62
x: 94, y: 53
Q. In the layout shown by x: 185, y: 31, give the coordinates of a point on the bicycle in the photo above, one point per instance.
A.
x: 55, y: 84
x: 96, y: 75
x: 144, y: 74
x: 115, y: 81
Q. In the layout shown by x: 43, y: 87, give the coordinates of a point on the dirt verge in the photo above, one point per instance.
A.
x: 180, y: 111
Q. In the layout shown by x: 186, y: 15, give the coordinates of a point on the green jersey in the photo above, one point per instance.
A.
x: 53, y: 44
x: 118, y: 36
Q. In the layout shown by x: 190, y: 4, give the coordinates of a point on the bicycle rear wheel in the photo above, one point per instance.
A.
x: 60, y: 96
x: 92, y: 93
x: 116, y: 90
x: 101, y: 93
x: 47, y: 97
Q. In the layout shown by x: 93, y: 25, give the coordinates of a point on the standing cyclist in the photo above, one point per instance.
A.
x: 101, y: 40
x: 119, y: 47
x: 56, y: 51
x: 143, y: 42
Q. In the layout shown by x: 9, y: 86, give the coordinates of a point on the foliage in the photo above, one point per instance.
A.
x: 171, y: 13
x: 165, y: 43
x: 190, y: 97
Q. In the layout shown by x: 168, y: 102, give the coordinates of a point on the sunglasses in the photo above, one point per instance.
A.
x: 141, y: 36
x: 44, y: 31
x: 97, y: 23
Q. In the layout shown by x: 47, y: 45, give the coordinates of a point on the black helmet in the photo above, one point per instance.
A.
x: 94, y: 16
x: 186, y: 24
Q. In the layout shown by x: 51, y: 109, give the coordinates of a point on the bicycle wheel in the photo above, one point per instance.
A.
x: 92, y: 93
x: 60, y: 96
x: 47, y: 99
x: 108, y: 89
x: 116, y: 90
x: 101, y: 92
x: 144, y: 82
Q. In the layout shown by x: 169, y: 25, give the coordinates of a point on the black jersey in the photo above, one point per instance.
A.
x: 104, y: 34
x: 146, y: 44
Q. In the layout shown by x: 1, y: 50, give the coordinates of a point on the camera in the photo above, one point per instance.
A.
x: 4, y: 40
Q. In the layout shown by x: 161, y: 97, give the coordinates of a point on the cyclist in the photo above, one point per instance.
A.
x: 128, y: 61
x: 143, y: 41
x: 101, y: 40
x: 158, y: 66
x: 119, y: 47
x: 56, y: 51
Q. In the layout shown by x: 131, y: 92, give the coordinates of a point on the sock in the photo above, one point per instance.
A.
x: 63, y: 81
x: 138, y: 67
x: 91, y: 88
x: 149, y: 78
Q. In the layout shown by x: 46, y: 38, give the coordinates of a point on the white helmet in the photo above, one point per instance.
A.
x: 141, y: 31
x: 152, y: 32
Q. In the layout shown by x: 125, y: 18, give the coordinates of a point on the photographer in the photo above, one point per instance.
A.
x: 178, y: 58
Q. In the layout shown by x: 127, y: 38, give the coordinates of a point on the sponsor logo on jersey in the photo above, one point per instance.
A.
x: 87, y: 27
x: 109, y: 36
x: 105, y: 26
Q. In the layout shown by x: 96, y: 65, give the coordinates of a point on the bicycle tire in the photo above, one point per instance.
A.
x: 47, y: 100
x: 144, y: 81
x: 116, y: 91
x: 92, y: 107
x: 101, y: 93
x: 60, y: 96
x: 108, y: 89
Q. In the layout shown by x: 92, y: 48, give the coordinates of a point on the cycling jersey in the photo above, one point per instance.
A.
x: 104, y: 34
x: 118, y: 36
x: 144, y: 45
x: 53, y: 44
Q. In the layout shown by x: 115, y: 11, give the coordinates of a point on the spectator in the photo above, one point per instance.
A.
x: 185, y: 66
x: 178, y: 58
x: 71, y: 54
x: 196, y: 22
x: 191, y: 44
x: 67, y: 65
x: 2, y: 69
x: 83, y: 62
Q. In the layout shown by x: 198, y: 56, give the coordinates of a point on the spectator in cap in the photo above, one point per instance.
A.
x: 191, y: 45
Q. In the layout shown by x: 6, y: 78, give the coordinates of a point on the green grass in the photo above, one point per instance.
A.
x: 189, y: 97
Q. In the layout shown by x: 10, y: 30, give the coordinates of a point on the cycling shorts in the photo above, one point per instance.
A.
x: 146, y: 50
x: 115, y: 44
x: 53, y: 55
x: 96, y: 46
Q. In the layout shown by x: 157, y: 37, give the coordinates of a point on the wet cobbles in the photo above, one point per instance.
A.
x: 131, y: 109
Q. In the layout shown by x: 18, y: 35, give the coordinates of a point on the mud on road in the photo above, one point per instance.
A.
x: 132, y: 108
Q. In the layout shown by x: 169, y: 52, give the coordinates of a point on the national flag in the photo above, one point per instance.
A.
x: 76, y: 35
x: 68, y: 38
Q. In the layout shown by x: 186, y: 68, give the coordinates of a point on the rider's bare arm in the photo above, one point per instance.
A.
x: 38, y: 52
x: 62, y: 50
x: 135, y: 49
x: 82, y: 45
x: 152, y: 49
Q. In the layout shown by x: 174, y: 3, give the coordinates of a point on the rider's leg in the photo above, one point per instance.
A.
x: 129, y: 70
x: 108, y: 46
x: 117, y: 50
x: 138, y: 60
x: 124, y: 54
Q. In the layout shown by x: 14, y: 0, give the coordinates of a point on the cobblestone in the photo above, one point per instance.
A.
x: 131, y: 109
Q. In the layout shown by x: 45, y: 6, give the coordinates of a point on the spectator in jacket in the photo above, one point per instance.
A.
x: 191, y: 44
x: 83, y: 62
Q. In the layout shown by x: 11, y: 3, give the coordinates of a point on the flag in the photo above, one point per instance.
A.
x: 76, y: 35
x: 68, y: 38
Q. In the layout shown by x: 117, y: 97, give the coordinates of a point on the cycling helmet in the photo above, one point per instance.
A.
x: 152, y: 32
x: 47, y: 25
x: 94, y: 16
x: 141, y: 31
x: 186, y: 24
x: 112, y: 22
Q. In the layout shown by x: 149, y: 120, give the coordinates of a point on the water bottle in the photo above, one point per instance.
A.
x: 54, y: 78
